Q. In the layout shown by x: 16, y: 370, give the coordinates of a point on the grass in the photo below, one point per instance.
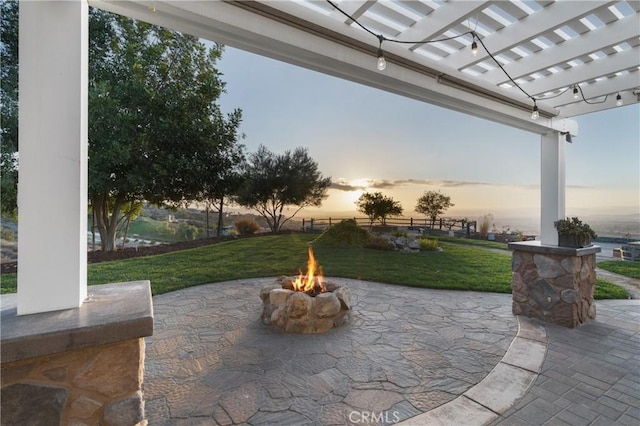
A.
x: 606, y: 290
x: 458, y: 267
x: 626, y: 268
x: 474, y: 242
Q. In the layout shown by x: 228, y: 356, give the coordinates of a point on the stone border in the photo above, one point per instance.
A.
x: 112, y: 313
x: 501, y: 388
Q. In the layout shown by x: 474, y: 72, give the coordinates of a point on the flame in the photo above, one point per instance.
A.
x: 313, y: 280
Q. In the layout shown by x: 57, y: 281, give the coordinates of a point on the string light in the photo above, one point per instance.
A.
x: 382, y: 63
x: 535, y: 113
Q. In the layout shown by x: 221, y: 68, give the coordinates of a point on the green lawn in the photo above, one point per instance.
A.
x: 473, y: 242
x: 627, y: 268
x: 458, y: 267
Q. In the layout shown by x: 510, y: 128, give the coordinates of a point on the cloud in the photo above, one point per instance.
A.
x: 376, y: 184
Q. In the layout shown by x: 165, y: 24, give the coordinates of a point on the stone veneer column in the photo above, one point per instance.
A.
x: 554, y: 284
x: 81, y: 366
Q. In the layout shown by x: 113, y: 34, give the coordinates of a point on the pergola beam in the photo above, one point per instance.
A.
x: 300, y: 43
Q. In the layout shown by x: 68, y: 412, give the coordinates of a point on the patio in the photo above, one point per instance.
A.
x: 407, y: 352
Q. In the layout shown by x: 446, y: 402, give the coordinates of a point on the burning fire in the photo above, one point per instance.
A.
x: 312, y: 282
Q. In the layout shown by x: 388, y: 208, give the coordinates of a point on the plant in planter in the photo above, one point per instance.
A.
x: 572, y: 232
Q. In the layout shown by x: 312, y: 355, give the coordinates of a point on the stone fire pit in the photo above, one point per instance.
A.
x: 305, y: 313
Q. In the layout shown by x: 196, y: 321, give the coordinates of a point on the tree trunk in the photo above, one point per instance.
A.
x: 219, y: 230
x: 107, y: 221
x: 207, y: 216
x: 126, y: 229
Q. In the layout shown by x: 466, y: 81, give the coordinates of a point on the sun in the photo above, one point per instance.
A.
x: 349, y: 198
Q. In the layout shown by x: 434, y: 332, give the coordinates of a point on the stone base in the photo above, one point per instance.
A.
x: 79, y: 366
x: 554, y: 284
x: 296, y: 312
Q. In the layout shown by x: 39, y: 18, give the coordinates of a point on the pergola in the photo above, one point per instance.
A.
x: 548, y: 48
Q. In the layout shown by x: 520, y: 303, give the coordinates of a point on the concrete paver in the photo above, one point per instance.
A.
x: 406, y: 351
x: 415, y: 356
x: 591, y: 375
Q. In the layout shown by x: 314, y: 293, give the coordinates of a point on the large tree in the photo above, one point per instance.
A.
x: 221, y: 169
x: 155, y: 131
x: 273, y: 182
x: 9, y: 106
x: 378, y: 207
x: 432, y: 204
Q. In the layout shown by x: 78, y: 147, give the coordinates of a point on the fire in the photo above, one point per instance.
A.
x: 313, y: 281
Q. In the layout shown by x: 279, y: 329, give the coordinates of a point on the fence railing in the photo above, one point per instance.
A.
x: 443, y: 224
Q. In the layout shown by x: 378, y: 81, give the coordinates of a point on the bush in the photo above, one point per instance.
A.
x: 428, y: 244
x: 246, y: 226
x: 7, y: 235
x: 399, y: 234
x: 484, y: 224
x: 187, y: 232
x: 380, y: 243
x: 347, y: 232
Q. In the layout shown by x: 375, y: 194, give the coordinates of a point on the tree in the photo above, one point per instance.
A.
x: 221, y: 173
x: 9, y: 106
x: 432, y: 204
x: 378, y: 207
x: 273, y: 182
x: 155, y: 131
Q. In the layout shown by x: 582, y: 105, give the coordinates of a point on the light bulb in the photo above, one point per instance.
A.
x: 474, y: 48
x: 575, y: 92
x: 534, y: 113
x: 382, y: 63
x: 618, y: 100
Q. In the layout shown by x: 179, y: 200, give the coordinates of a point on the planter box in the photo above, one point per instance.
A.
x: 574, y: 241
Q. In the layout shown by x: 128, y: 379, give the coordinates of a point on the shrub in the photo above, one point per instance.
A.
x: 484, y: 224
x: 380, y: 243
x: 399, y: 234
x: 246, y: 226
x: 347, y: 232
x: 428, y: 244
x: 7, y: 235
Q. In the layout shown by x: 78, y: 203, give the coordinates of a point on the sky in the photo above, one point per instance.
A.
x: 366, y: 139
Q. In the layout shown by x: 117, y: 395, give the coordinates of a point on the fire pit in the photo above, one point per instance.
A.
x: 305, y: 304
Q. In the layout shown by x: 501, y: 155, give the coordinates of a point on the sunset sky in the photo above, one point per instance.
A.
x: 369, y: 140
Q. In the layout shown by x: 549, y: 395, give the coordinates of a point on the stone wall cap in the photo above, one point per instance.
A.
x: 538, y: 247
x: 114, y: 313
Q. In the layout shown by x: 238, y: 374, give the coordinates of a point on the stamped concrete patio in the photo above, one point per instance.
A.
x: 409, y: 355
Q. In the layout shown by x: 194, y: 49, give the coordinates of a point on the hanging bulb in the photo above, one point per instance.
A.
x: 382, y: 63
x: 575, y: 92
x: 534, y: 113
x: 618, y: 100
x: 474, y: 47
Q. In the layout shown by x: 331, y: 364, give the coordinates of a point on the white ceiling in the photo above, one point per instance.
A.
x: 547, y: 47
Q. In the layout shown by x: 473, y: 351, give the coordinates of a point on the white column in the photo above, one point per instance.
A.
x: 552, y: 185
x: 52, y: 186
